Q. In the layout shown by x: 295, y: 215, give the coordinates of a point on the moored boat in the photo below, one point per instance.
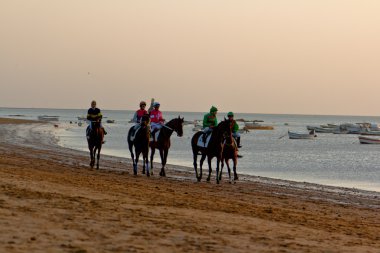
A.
x: 367, y: 140
x: 48, y: 118
x: 310, y: 135
x: 256, y: 126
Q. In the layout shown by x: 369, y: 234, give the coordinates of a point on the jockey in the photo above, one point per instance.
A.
x: 234, y: 128
x: 137, y: 117
x: 156, y: 118
x: 139, y: 113
x: 209, y: 120
x: 94, y: 114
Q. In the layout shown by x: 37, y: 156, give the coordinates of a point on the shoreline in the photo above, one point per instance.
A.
x: 61, y: 205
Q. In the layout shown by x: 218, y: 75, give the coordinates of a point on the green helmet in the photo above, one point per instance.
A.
x: 230, y: 114
x: 213, y: 109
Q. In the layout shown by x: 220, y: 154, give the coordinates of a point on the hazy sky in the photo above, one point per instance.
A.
x: 268, y: 56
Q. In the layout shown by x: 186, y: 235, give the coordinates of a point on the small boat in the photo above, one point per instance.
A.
x: 310, y: 135
x: 256, y: 126
x: 82, y: 118
x: 110, y: 121
x: 372, y: 133
x: 367, y: 140
x: 324, y: 130
x: 48, y: 118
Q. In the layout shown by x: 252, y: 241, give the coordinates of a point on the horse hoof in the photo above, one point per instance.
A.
x: 143, y: 172
x: 208, y: 179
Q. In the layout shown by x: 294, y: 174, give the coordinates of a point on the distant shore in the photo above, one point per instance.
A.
x: 51, y: 201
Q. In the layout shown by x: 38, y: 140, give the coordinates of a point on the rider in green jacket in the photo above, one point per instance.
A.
x: 209, y: 120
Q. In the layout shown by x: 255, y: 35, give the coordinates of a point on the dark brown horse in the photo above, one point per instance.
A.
x: 230, y: 151
x: 214, y: 148
x: 95, y: 142
x: 141, y: 144
x: 163, y: 141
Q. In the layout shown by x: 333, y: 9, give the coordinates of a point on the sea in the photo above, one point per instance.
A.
x: 329, y: 159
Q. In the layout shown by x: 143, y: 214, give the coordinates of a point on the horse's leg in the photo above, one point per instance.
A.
x: 229, y: 170
x: 137, y: 160
x: 217, y: 169
x: 146, y: 162
x: 200, y: 166
x: 130, y: 145
x: 153, y: 150
x: 195, y: 158
x: 235, y: 173
x: 209, y: 158
x: 162, y: 161
x: 98, y: 157
x: 92, y: 162
x: 166, y: 152
x: 221, y: 169
x: 143, y: 171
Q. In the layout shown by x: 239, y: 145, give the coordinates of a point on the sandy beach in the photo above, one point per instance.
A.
x: 51, y: 201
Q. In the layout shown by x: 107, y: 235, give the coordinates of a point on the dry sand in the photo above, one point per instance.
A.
x: 50, y: 201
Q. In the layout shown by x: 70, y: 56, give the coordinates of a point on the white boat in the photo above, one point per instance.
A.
x: 48, y: 118
x: 310, y: 135
x: 110, y: 121
x: 367, y: 140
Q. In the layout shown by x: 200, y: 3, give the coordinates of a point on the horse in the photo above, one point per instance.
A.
x: 141, y: 144
x: 214, y: 148
x: 95, y: 142
x: 230, y: 151
x: 163, y: 141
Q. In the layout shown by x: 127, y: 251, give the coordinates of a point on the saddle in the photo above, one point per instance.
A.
x: 204, y: 139
x: 134, y: 132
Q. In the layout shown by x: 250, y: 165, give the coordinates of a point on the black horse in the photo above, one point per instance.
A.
x: 162, y: 142
x: 141, y: 144
x: 214, y: 148
x: 230, y: 151
x: 95, y: 141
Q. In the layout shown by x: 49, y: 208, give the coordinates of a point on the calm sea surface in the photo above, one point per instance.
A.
x: 337, y: 160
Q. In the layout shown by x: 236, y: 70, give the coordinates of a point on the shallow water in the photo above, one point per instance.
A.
x: 337, y: 160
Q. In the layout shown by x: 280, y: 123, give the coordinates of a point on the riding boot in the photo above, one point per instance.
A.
x: 88, y: 133
x: 238, y: 142
x: 239, y: 156
x: 105, y: 132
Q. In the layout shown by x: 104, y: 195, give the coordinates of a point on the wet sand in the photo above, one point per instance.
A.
x: 51, y: 201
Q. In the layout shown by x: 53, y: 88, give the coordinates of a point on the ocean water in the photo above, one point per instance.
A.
x: 337, y: 160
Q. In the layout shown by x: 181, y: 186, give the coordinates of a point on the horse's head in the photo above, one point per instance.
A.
x: 224, y: 129
x: 145, y: 120
x: 177, y: 125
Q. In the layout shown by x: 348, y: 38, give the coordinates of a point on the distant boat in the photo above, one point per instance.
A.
x: 256, y: 126
x: 310, y: 135
x: 82, y: 118
x: 48, y: 118
x: 110, y: 121
x: 367, y: 140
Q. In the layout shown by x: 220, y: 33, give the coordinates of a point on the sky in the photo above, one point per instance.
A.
x: 254, y: 56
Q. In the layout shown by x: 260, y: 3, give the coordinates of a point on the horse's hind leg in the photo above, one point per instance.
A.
x: 200, y: 166
x: 165, y: 153
x: 209, y: 168
x: 162, y: 155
